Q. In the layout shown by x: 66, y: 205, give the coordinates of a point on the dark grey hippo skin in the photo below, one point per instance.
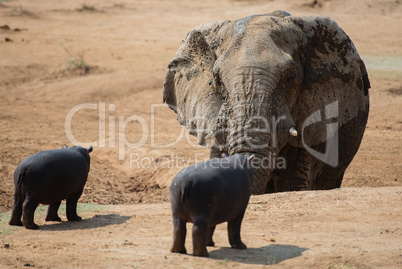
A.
x: 48, y: 177
x: 207, y: 194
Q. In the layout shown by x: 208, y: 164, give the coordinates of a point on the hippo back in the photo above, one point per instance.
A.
x: 217, y: 189
x: 59, y: 173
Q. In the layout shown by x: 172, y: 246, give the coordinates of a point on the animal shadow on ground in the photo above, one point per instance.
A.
x: 96, y: 222
x: 272, y: 254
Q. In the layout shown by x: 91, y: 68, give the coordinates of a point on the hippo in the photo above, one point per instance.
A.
x: 48, y: 177
x: 209, y: 193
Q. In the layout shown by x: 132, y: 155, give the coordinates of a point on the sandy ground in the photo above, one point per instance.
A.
x: 285, y: 230
x: 57, y: 56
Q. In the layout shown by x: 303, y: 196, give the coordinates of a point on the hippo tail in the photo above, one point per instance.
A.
x: 185, y: 189
x: 21, y: 177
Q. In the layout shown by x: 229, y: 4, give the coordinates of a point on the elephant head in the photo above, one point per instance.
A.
x: 249, y: 86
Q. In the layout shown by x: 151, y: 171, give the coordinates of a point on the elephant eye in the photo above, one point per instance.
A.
x: 217, y: 80
x: 292, y: 75
x: 289, y: 79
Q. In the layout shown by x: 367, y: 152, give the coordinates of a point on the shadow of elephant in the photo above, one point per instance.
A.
x: 272, y: 254
x: 96, y: 222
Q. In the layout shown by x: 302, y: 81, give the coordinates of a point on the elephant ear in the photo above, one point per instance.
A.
x: 189, y: 86
x: 335, y: 85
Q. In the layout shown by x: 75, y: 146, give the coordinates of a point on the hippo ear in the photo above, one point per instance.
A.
x: 65, y: 146
x: 90, y: 149
x: 335, y: 86
x: 189, y: 86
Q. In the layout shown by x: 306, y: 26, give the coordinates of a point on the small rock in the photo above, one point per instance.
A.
x: 5, y: 27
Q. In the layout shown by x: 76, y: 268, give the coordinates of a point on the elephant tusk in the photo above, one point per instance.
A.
x: 293, y: 131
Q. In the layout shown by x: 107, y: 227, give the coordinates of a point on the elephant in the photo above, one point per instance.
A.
x: 291, y: 90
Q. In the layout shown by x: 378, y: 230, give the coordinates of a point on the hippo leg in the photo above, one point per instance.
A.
x: 71, y: 207
x: 210, y: 233
x: 17, y: 208
x: 234, y: 233
x: 179, y: 236
x: 200, y: 228
x: 29, y: 207
x: 52, y: 212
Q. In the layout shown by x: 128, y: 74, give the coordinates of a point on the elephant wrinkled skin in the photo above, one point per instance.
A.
x: 240, y: 86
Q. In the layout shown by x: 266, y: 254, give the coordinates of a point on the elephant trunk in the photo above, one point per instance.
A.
x: 259, y: 123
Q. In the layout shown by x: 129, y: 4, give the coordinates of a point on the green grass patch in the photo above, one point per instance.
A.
x: 6, y: 229
x: 88, y: 8
x: 383, y: 63
x: 384, y: 67
x: 224, y: 262
x: 41, y: 211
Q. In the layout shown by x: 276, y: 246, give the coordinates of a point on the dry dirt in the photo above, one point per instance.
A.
x: 109, y: 58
